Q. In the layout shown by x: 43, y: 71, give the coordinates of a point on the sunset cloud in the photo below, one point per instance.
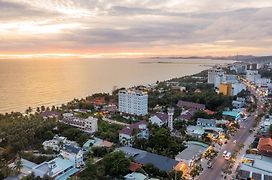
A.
x: 97, y: 28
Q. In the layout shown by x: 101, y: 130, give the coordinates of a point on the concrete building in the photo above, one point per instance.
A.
x: 236, y: 88
x: 133, y: 102
x: 192, y: 152
x: 225, y: 89
x: 170, y: 112
x: 252, y: 75
x: 73, y: 154
x: 255, y: 167
x: 136, y: 130
x: 206, y: 122
x: 163, y: 163
x: 57, y: 168
x: 88, y: 125
x: 215, y: 75
x: 159, y: 119
x: 56, y: 143
x: 220, y: 78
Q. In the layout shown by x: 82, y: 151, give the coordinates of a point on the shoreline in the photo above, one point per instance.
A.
x: 207, y: 66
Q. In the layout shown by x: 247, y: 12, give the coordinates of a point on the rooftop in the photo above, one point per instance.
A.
x: 143, y: 157
x: 162, y: 116
x: 260, y: 164
x: 193, y: 150
x: 58, y: 165
x: 71, y: 149
x: 129, y: 129
x: 234, y: 114
x: 190, y: 105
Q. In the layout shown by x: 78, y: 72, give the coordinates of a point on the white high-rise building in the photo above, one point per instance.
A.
x: 252, y: 76
x: 133, y: 102
x: 170, y: 112
x: 216, y: 76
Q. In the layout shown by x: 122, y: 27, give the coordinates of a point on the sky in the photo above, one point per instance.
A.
x: 134, y: 28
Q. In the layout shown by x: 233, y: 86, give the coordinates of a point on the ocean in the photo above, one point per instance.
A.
x: 29, y: 82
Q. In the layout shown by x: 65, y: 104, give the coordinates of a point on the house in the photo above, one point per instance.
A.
x: 206, y: 122
x: 136, y: 130
x: 50, y: 114
x: 190, y: 105
x: 57, y: 168
x: 163, y: 163
x: 255, y: 167
x: 73, y: 154
x: 195, y: 131
x: 192, y: 152
x: 56, y: 143
x: 234, y: 115
x: 266, y: 123
x: 159, y: 119
x: 186, y: 115
x: 239, y: 102
x: 265, y: 147
x: 88, y: 125
x: 96, y: 142
x: 136, y: 176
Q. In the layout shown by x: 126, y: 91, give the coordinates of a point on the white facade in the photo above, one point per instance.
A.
x: 219, y: 78
x: 216, y: 76
x: 88, y: 125
x: 252, y: 76
x: 155, y: 120
x: 170, y: 112
x: 237, y: 87
x: 133, y: 102
x: 73, y: 154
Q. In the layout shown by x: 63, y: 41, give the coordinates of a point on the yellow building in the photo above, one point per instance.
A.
x: 225, y: 89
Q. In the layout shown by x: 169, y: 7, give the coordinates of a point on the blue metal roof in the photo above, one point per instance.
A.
x: 71, y: 148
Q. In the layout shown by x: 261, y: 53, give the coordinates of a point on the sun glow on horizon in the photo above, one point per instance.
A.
x: 98, y: 29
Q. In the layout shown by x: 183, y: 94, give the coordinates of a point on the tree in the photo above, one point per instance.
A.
x: 18, y: 165
x: 195, y: 171
x: 116, y: 164
x: 270, y: 131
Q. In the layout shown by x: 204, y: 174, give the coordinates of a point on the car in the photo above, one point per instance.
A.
x: 210, y: 164
x: 224, y: 153
x: 228, y: 155
x: 235, y: 141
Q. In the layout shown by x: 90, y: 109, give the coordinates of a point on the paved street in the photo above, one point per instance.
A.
x: 240, y: 136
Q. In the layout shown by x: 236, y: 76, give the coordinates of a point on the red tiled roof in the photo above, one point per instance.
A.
x: 190, y: 105
x: 134, y: 166
x: 265, y: 145
x: 209, y: 112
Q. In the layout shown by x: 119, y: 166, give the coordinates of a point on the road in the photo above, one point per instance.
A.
x: 240, y: 136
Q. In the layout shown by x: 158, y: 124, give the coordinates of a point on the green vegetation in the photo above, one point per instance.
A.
x: 267, y: 73
x: 34, y: 158
x: 101, y: 151
x: 161, y: 142
x: 113, y: 165
x: 108, y: 131
x: 196, y: 170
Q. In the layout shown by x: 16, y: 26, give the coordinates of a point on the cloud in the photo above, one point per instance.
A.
x: 156, y: 26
